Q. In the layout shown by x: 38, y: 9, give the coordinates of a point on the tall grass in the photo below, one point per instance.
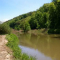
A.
x: 17, y: 53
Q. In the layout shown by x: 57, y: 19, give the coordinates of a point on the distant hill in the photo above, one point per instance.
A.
x: 31, y: 20
x: 0, y: 22
x: 16, y: 21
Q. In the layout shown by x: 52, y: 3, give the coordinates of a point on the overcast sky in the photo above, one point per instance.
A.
x: 12, y: 8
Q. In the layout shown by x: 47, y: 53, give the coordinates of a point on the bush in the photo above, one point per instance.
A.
x: 17, y: 28
x: 54, y: 31
x: 51, y: 31
x: 57, y: 31
x: 26, y: 27
x: 4, y: 29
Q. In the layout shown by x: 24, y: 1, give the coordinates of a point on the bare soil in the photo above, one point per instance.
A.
x: 5, y: 52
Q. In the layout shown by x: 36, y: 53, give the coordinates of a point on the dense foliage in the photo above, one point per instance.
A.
x: 4, y: 29
x: 47, y: 16
x: 13, y: 44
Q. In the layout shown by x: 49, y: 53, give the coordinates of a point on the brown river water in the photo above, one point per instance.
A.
x: 42, y: 47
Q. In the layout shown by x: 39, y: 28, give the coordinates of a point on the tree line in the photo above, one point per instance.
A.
x: 47, y: 16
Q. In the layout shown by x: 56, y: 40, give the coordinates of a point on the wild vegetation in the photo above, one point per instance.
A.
x: 20, y: 22
x: 47, y: 16
x: 5, y: 29
x: 13, y: 44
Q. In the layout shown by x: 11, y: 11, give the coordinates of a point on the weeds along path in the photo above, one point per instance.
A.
x: 5, y: 52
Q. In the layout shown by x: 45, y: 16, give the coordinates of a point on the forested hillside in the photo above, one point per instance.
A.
x: 47, y: 16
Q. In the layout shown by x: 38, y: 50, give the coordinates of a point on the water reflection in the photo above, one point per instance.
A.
x: 44, y: 45
x: 35, y: 53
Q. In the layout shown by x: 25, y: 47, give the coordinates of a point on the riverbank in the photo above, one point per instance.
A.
x: 5, y: 52
x: 35, y: 31
x: 13, y: 45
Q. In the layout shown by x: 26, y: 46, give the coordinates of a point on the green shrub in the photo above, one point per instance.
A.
x: 54, y: 31
x: 4, y: 29
x: 26, y: 27
x: 17, y: 28
x: 57, y: 31
x: 51, y: 31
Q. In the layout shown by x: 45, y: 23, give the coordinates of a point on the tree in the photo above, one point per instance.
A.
x: 44, y: 20
x: 52, y: 15
x: 54, y: 0
x: 57, y: 24
x: 26, y: 27
x: 44, y: 8
x: 33, y: 23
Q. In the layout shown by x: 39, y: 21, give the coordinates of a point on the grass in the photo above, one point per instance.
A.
x: 17, y: 53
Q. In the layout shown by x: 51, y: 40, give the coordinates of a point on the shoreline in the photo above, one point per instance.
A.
x: 13, y: 45
x: 42, y: 31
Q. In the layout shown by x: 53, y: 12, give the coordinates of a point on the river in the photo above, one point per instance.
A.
x: 42, y: 47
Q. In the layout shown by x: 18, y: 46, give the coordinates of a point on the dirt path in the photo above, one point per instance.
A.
x: 5, y: 52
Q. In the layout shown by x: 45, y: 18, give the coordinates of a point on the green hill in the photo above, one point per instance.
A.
x: 47, y: 16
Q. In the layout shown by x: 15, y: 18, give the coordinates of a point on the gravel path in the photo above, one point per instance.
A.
x: 5, y: 52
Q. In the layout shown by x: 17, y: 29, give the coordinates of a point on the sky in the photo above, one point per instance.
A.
x: 12, y: 8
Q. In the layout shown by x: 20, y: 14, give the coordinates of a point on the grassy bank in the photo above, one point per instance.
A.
x: 17, y: 53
